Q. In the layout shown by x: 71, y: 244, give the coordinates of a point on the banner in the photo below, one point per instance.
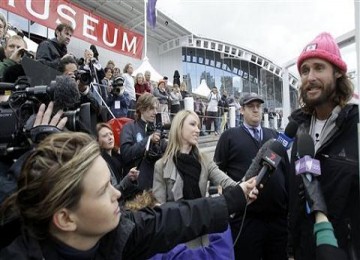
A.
x: 87, y: 26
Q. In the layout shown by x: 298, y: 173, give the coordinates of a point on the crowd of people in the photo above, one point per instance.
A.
x: 75, y: 192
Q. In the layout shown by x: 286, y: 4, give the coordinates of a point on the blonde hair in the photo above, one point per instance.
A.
x: 175, y: 136
x: 51, y: 179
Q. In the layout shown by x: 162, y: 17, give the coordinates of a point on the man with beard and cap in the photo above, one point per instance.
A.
x: 50, y: 52
x: 331, y: 121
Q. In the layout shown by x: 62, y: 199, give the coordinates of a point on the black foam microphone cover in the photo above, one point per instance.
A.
x: 256, y: 163
x: 66, y: 93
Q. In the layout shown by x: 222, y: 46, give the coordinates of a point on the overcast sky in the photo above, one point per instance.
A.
x: 278, y: 30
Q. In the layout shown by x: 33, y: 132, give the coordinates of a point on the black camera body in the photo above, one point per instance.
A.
x: 17, y: 116
x: 28, y: 54
x: 83, y: 76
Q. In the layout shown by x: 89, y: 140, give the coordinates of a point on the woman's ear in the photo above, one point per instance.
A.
x: 64, y: 220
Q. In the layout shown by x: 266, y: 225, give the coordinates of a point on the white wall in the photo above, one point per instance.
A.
x: 165, y: 64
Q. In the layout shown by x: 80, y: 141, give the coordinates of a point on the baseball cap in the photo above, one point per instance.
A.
x: 250, y: 98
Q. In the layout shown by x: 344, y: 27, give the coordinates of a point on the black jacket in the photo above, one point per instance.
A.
x: 142, y: 234
x: 49, y: 52
x: 134, y: 137
x: 234, y: 153
x: 339, y: 182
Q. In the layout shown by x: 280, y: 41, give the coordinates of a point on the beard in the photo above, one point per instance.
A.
x: 327, y: 92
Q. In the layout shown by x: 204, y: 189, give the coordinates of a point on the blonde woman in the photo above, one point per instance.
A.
x: 183, y: 172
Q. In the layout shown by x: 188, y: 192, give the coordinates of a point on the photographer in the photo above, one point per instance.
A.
x: 69, y: 67
x: 119, y: 99
x: 212, y: 111
x: 135, y: 137
x: 15, y: 48
x: 93, y: 67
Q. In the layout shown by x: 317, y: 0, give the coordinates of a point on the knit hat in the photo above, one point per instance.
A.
x: 118, y: 81
x: 323, y: 47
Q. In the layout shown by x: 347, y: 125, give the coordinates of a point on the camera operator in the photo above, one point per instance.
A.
x: 69, y: 67
x: 15, y: 49
x: 119, y: 99
x: 135, y: 137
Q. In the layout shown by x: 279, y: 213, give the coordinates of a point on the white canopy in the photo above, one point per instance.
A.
x: 155, y: 76
x: 202, y: 89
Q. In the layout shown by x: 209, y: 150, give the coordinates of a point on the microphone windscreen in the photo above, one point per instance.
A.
x: 66, y: 93
x: 291, y: 129
x: 305, y: 146
x: 256, y: 163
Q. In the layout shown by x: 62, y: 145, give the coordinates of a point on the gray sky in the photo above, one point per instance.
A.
x: 275, y: 29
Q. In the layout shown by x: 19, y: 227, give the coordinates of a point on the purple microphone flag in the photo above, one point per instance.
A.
x: 307, y: 164
x: 151, y: 13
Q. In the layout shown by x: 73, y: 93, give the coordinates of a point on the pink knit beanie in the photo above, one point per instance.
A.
x: 323, y: 47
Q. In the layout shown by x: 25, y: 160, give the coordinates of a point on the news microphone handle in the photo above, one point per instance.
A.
x: 313, y: 195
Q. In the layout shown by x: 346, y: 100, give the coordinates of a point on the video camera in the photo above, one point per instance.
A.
x: 158, y: 126
x: 118, y: 86
x: 84, y: 77
x: 17, y: 115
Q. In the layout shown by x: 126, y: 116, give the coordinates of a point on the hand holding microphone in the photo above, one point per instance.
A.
x: 309, y: 168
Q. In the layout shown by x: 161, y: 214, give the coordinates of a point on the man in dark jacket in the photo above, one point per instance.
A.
x: 50, y: 52
x: 332, y: 123
x: 264, y: 232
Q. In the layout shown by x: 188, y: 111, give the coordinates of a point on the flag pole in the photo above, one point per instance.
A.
x: 145, y: 28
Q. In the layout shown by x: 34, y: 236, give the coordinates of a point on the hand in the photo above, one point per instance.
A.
x: 313, y: 195
x: 68, y: 55
x: 133, y: 174
x: 249, y: 189
x: 155, y: 137
x: 43, y: 117
x: 17, y: 55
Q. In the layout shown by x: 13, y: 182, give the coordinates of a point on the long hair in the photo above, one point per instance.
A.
x: 344, y: 90
x: 175, y: 136
x: 51, y: 179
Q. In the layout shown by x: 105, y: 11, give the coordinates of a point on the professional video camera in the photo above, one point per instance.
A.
x: 118, y: 86
x: 17, y: 115
x: 84, y: 76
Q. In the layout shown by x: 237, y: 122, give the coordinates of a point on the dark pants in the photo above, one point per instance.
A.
x: 212, y: 117
x: 260, y: 238
x: 131, y: 111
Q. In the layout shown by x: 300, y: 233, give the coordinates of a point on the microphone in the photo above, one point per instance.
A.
x: 287, y: 138
x: 306, y: 166
x: 269, y: 161
x: 66, y: 94
x: 255, y: 166
x: 63, y: 91
x: 41, y: 90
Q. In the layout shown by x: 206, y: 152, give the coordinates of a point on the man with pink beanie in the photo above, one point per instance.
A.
x: 331, y: 121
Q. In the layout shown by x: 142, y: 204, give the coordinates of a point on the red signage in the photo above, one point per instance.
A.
x: 87, y: 26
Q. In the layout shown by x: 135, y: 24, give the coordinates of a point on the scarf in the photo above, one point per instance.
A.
x: 189, y: 169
